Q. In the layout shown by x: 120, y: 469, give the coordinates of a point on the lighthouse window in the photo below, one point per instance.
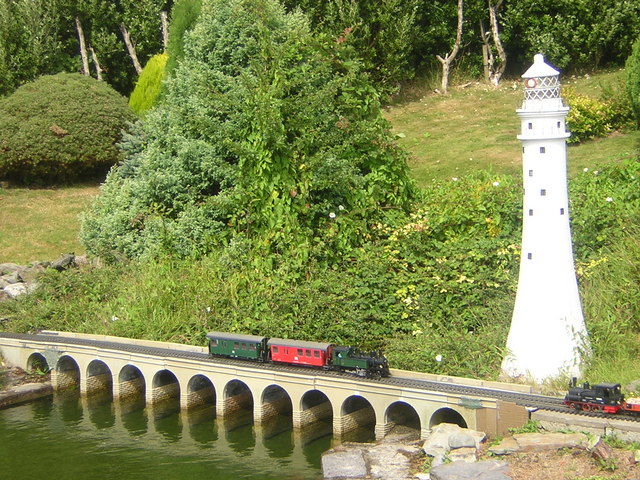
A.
x: 522, y: 149
x: 531, y: 212
x: 530, y: 126
x: 529, y: 256
x: 543, y: 192
x: 559, y: 124
x: 531, y: 173
x: 542, y: 150
x: 562, y: 211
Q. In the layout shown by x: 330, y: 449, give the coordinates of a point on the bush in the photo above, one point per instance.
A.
x: 147, y: 89
x: 60, y: 128
x: 183, y: 17
x: 588, y: 117
x: 265, y: 133
x: 633, y: 79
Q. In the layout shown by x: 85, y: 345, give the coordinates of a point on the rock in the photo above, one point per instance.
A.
x: 599, y: 450
x: 540, y: 442
x: 390, y: 461
x: 507, y: 446
x: 462, y: 440
x: 64, y: 262
x: 15, y: 289
x: 486, y: 470
x: 13, y: 277
x: 423, y: 476
x: 343, y: 463
x: 464, y: 454
x: 7, y: 268
x: 25, y: 393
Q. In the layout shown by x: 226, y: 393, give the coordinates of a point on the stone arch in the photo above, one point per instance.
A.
x: 164, y: 386
x: 401, y: 413
x: 99, y: 378
x: 275, y: 401
x: 237, y: 396
x: 358, y: 413
x: 67, y: 374
x: 131, y: 383
x: 37, y: 363
x: 200, y: 392
x: 447, y: 415
x: 315, y: 406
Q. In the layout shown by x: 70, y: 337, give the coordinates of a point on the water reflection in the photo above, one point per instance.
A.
x: 100, y: 438
x: 101, y: 410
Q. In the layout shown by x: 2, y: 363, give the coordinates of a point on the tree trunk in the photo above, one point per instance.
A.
x: 130, y: 48
x: 83, y: 48
x: 94, y: 57
x: 448, y: 59
x: 502, y: 56
x: 165, y: 29
x: 487, y: 55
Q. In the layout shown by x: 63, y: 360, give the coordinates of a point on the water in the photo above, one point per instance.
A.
x: 71, y: 437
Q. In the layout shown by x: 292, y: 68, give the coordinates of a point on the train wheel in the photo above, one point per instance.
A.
x: 586, y: 407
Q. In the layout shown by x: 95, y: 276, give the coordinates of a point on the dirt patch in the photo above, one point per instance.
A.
x: 570, y: 464
x: 13, y: 376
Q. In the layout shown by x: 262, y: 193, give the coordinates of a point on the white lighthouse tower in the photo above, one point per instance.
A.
x: 548, y: 332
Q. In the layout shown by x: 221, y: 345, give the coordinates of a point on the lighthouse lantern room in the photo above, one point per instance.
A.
x: 548, y: 335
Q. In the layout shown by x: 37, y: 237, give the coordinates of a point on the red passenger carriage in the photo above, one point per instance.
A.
x: 298, y: 352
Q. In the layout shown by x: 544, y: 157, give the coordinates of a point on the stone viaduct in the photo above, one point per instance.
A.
x: 307, y: 397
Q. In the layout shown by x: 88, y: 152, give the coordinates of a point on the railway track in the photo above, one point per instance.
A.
x: 529, y: 400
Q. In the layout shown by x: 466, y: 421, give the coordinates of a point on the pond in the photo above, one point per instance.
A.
x: 73, y: 437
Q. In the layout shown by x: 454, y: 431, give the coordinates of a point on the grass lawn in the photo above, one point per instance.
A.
x: 476, y: 127
x: 41, y: 224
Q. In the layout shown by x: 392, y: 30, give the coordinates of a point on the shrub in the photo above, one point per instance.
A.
x: 633, y: 79
x: 147, y: 89
x: 588, y: 117
x: 60, y: 128
x: 265, y: 133
x: 183, y: 17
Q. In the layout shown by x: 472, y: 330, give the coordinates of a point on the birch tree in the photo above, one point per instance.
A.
x: 448, y: 59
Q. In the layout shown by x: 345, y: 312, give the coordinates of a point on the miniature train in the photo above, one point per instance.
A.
x: 602, y: 397
x: 297, y: 352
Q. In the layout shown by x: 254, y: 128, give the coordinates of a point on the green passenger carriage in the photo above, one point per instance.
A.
x: 236, y: 345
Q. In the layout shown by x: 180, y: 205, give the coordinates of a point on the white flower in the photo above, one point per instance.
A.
x: 208, y: 309
x: 455, y: 179
x: 340, y: 207
x: 609, y: 199
x: 114, y: 318
x: 596, y: 172
x: 332, y: 215
x: 438, y: 358
x: 585, y: 169
x: 496, y: 184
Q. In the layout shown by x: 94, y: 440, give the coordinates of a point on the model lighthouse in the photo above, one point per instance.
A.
x: 548, y: 332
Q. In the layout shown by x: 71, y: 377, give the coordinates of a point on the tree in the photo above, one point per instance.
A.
x: 266, y: 135
x: 447, y: 60
x: 494, y: 69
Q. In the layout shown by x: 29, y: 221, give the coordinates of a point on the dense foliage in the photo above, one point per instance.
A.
x: 60, y: 128
x: 434, y: 288
x: 39, y: 37
x: 265, y: 136
x: 396, y: 40
x: 148, y: 87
